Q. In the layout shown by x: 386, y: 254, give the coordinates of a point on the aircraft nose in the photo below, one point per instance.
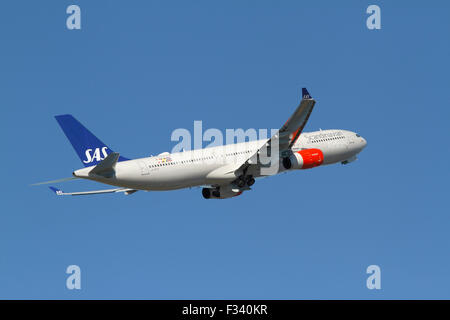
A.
x: 363, y: 142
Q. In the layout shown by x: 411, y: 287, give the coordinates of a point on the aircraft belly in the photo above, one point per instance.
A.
x: 177, y: 178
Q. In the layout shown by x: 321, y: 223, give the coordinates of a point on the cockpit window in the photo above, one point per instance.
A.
x: 358, y: 135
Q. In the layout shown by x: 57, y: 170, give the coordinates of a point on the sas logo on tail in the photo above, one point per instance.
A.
x: 98, y: 155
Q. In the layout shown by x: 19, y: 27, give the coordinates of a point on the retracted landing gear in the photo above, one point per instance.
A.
x: 243, y: 181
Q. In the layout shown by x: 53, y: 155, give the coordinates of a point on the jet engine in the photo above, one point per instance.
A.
x: 304, y: 159
x: 220, y: 193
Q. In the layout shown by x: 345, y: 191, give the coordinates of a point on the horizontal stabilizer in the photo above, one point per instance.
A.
x: 106, y: 167
x: 61, y: 193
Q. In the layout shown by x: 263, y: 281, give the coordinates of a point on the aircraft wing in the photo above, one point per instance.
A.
x: 61, y: 193
x: 289, y: 132
x: 292, y: 129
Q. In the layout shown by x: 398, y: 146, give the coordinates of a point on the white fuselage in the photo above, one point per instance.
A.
x: 213, y: 165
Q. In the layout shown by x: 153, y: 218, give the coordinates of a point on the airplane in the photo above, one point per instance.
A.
x: 221, y: 171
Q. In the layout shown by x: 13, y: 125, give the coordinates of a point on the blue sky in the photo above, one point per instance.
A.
x: 138, y: 70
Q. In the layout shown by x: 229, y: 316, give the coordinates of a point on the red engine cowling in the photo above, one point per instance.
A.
x: 304, y: 159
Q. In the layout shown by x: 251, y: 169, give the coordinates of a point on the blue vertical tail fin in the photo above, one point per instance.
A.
x: 88, y: 147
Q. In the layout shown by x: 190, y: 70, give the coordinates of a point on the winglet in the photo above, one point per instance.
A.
x: 56, y: 191
x: 305, y: 94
